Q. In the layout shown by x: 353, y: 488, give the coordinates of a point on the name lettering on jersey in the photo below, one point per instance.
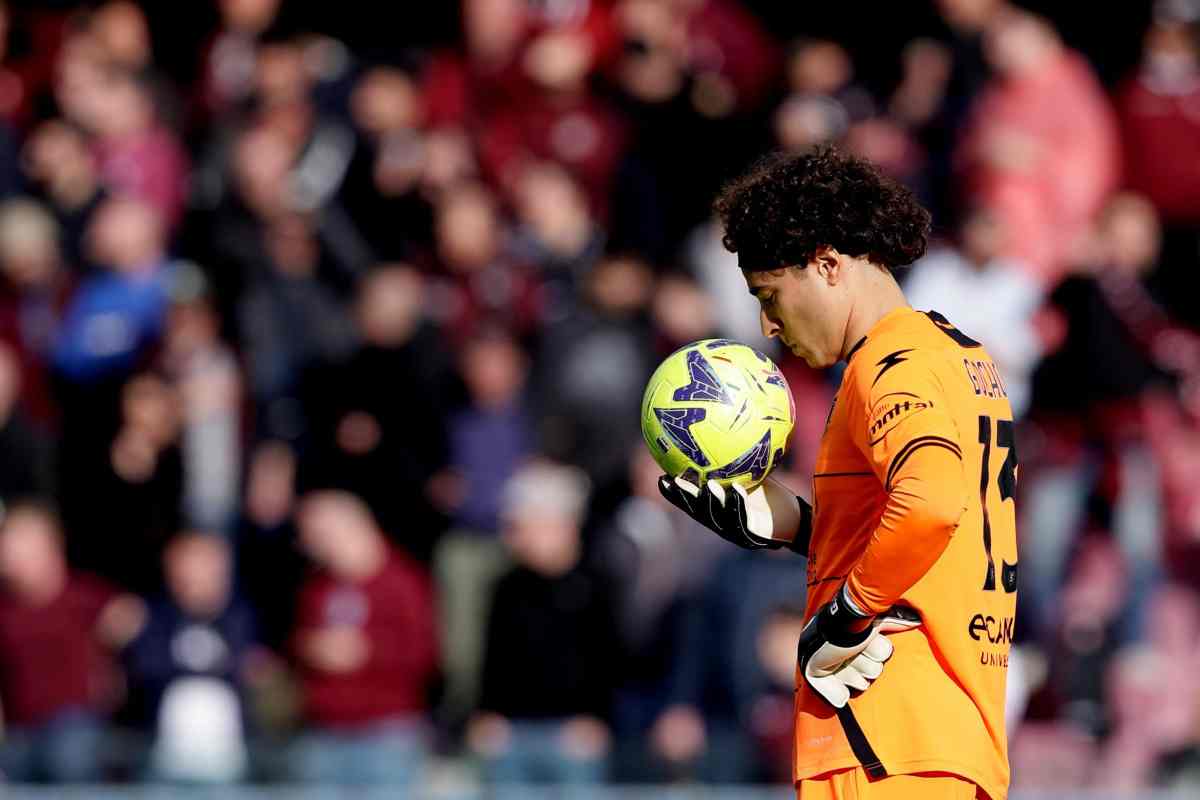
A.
x: 985, y: 378
x: 890, y: 409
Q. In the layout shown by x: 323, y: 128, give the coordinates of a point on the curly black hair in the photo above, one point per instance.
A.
x: 787, y: 207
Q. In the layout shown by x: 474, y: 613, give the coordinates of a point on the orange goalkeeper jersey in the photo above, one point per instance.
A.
x: 912, y: 493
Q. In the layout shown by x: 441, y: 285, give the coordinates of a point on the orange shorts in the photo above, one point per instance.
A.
x: 853, y: 784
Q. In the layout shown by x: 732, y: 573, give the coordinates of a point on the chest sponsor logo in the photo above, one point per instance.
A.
x: 995, y: 631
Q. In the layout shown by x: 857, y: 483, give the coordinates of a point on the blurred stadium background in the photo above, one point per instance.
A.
x: 323, y: 330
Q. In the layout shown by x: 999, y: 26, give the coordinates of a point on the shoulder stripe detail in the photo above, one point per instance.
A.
x: 915, y: 445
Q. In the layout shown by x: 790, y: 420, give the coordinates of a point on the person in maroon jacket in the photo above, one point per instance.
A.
x: 58, y: 629
x: 366, y: 647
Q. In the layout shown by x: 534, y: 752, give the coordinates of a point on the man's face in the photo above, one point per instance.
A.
x: 802, y: 308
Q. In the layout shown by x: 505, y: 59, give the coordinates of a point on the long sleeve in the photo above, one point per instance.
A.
x: 914, y: 448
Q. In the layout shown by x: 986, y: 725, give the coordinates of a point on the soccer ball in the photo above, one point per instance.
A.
x: 717, y: 410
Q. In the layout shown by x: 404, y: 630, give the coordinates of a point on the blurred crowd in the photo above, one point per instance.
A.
x: 321, y: 359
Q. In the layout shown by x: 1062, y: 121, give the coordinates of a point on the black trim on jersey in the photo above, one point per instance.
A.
x: 859, y: 744
x: 857, y: 346
x: 915, y: 445
x: 889, y: 361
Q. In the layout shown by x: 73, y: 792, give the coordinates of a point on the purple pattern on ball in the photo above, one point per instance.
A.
x: 756, y: 461
x: 777, y: 379
x: 677, y: 423
x: 705, y: 385
x: 715, y: 343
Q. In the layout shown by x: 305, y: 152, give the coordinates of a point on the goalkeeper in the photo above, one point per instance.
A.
x: 911, y: 535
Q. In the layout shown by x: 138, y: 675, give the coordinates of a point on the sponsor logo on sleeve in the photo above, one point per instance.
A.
x: 890, y: 410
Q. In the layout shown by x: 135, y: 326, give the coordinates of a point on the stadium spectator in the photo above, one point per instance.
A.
x: 366, y: 649
x: 479, y: 280
x: 206, y: 377
x: 59, y: 164
x: 654, y: 588
x: 1157, y: 106
x: 37, y: 289
x: 267, y: 545
x: 379, y: 415
x: 134, y: 498
x: 592, y: 368
x: 718, y: 676
x: 116, y: 316
x: 490, y: 437
x: 135, y: 153
x: 191, y: 661
x: 290, y: 322
x: 954, y: 280
x: 58, y: 631
x: 551, y: 642
x: 1040, y: 150
x: 25, y: 472
x: 1090, y: 400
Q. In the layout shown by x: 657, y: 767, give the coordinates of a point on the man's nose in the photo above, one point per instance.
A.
x: 770, y: 329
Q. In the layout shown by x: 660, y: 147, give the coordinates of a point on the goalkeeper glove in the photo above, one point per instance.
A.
x: 768, y: 516
x: 842, y: 648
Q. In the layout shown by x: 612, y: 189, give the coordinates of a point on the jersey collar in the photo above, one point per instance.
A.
x: 877, y: 327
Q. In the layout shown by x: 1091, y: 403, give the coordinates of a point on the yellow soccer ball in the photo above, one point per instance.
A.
x: 718, y: 410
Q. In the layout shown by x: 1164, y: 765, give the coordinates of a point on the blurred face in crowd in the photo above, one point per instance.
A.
x: 120, y: 27
x: 559, y: 60
x: 494, y: 369
x: 1130, y: 234
x: 494, y: 28
x: 281, y: 77
x: 683, y: 311
x: 389, y: 305
x: 468, y: 231
x: 338, y: 532
x: 126, y: 235
x: 270, y: 485
x: 1171, y: 53
x: 31, y: 558
x: 554, y: 208
x: 29, y: 253
x: 983, y: 237
x: 197, y: 568
x: 1018, y: 43
x: 249, y: 16
x: 620, y: 286
x: 969, y: 15
x: 128, y: 107
x: 385, y: 101
x: 262, y: 165
x: 79, y: 85
x: 149, y: 405
x: 819, y: 67
x: 544, y: 541
x: 806, y: 308
x: 57, y: 155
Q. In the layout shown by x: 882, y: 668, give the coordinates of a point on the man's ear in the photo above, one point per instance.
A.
x: 828, y: 264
